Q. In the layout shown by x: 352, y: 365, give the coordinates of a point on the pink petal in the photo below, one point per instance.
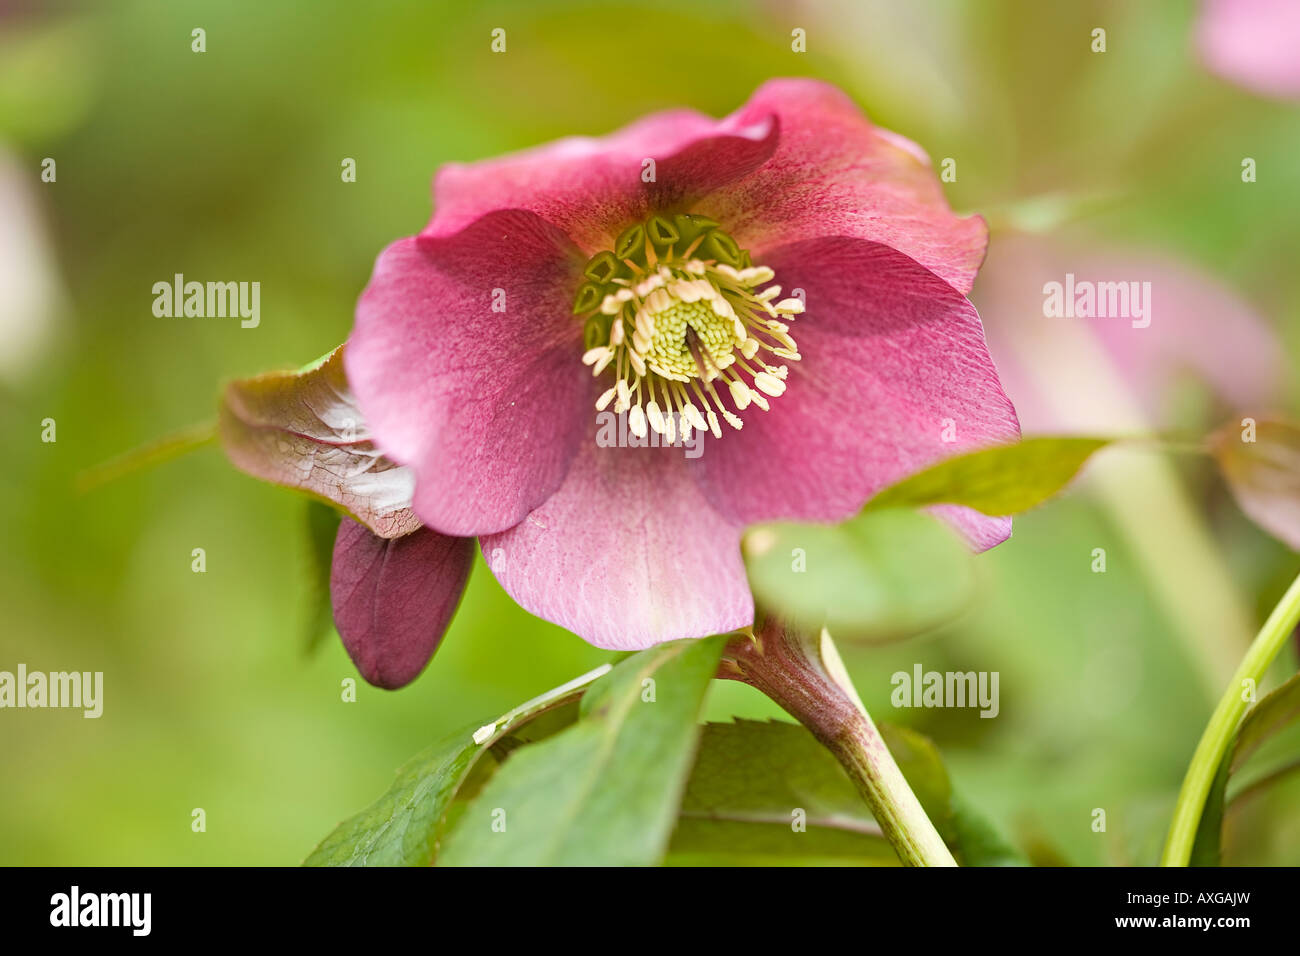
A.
x: 979, y: 530
x: 628, y: 553
x: 1253, y: 43
x: 891, y: 355
x: 835, y: 174
x: 393, y: 598
x: 487, y: 407
x: 593, y: 187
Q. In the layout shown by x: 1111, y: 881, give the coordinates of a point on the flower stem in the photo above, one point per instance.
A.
x: 146, y: 456
x: 1219, y: 733
x: 805, y: 676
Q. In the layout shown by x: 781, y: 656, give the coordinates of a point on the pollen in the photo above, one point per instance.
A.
x: 680, y: 316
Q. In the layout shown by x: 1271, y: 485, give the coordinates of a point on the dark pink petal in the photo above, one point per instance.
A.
x: 835, y: 174
x: 628, y: 553
x: 894, y: 363
x: 592, y: 188
x: 1253, y: 43
x: 487, y: 407
x: 393, y: 598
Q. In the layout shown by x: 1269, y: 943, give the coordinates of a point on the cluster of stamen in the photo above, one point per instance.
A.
x: 680, y: 313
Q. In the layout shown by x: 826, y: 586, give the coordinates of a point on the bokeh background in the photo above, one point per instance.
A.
x: 226, y: 165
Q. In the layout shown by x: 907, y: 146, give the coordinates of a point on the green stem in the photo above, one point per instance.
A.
x: 146, y: 456
x: 1222, y: 727
x: 805, y: 676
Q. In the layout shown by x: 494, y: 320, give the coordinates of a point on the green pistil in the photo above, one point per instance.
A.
x: 675, y: 311
x: 670, y: 347
x: 669, y: 238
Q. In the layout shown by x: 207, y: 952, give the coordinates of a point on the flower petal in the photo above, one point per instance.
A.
x: 1253, y: 43
x: 627, y: 554
x: 836, y: 174
x: 303, y: 430
x: 894, y: 377
x: 487, y: 406
x: 592, y: 187
x: 393, y: 598
x: 980, y: 531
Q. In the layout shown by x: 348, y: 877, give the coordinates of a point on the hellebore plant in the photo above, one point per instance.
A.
x: 786, y: 284
x: 788, y: 280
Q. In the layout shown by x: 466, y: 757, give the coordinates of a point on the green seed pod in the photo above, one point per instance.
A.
x: 588, y: 298
x: 602, y: 267
x: 661, y: 232
x: 631, y: 242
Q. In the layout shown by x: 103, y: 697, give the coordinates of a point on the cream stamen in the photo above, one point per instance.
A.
x: 676, y: 322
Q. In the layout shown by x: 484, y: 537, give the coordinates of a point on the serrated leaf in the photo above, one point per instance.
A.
x: 752, y: 783
x: 1275, y: 715
x: 1264, y: 474
x: 403, y: 827
x: 973, y: 840
x: 751, y: 776
x: 604, y: 792
x: 1002, y: 480
x: 878, y: 576
x: 303, y: 430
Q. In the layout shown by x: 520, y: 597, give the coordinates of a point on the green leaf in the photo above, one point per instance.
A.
x: 879, y: 576
x: 972, y: 839
x: 975, y: 841
x: 604, y: 792
x: 752, y: 782
x: 890, y: 572
x: 1207, y: 848
x: 1270, y: 717
x: 303, y: 430
x: 322, y: 527
x: 751, y: 778
x: 403, y: 827
x: 1002, y: 480
x: 1261, y: 464
x: 1275, y: 719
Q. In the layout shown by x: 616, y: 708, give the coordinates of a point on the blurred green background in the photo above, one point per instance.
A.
x: 226, y: 165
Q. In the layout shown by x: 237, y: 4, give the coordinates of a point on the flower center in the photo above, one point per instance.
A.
x: 675, y: 309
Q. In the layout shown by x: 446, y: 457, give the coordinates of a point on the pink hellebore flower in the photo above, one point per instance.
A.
x: 660, y: 275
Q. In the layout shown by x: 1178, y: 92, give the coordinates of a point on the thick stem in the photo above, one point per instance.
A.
x: 1222, y: 728
x: 805, y: 676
